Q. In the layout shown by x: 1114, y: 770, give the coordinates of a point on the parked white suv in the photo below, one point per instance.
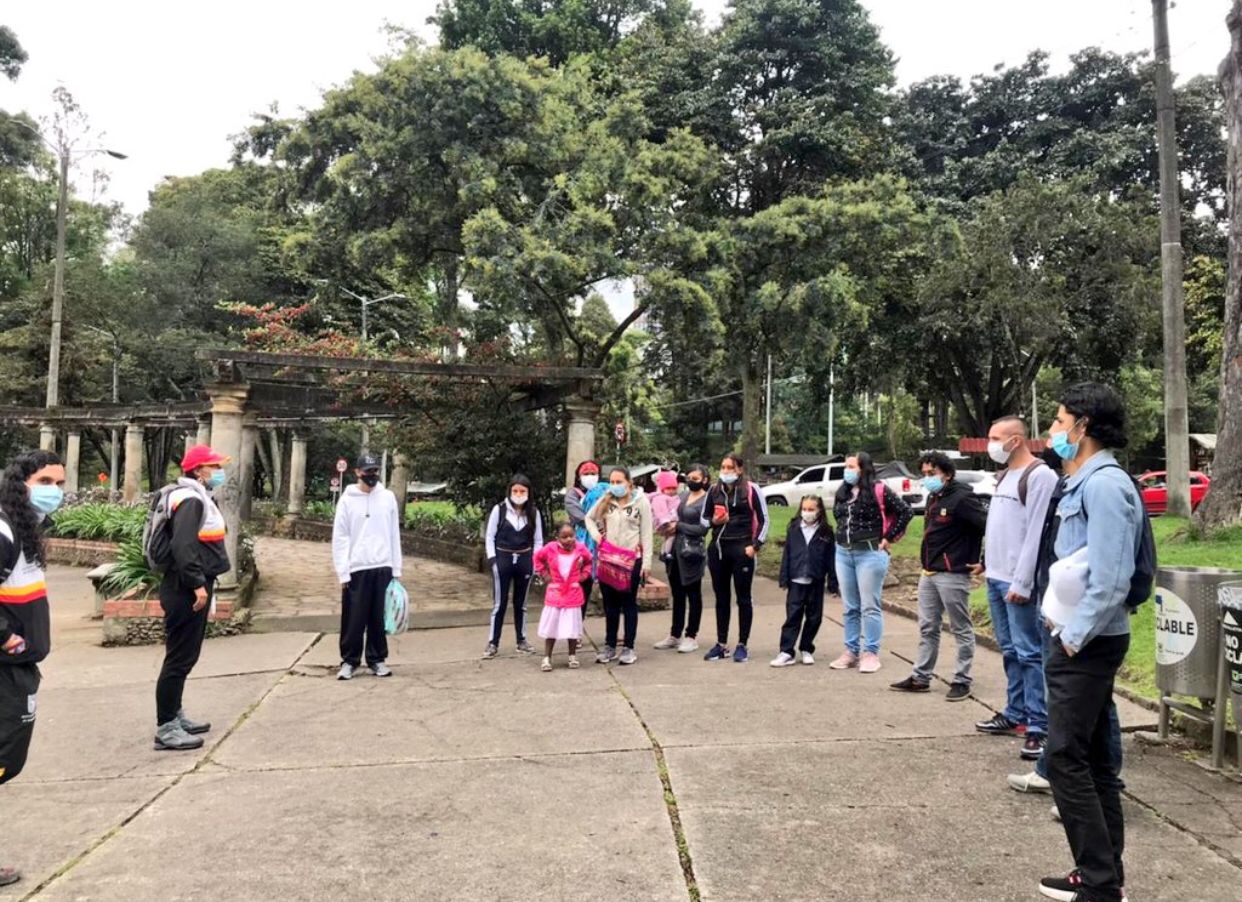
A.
x: 981, y: 482
x: 825, y: 479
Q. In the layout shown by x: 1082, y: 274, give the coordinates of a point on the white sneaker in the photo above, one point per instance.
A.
x: 346, y: 672
x: 381, y: 670
x: 669, y: 642
x: 1031, y: 782
x: 808, y: 658
x: 628, y: 656
x: 688, y: 645
x: 784, y: 659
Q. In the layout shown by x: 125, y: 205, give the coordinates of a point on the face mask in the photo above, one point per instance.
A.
x: 696, y: 485
x: 518, y: 500
x: 809, y: 517
x: 371, y: 479
x: 728, y: 478
x: 851, y: 477
x: 618, y: 491
x: 996, y: 451
x: 1062, y: 446
x: 46, y: 499
x: 933, y: 484
x: 216, y: 479
x: 590, y: 481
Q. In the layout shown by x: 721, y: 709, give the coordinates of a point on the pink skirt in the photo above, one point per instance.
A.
x: 560, y: 623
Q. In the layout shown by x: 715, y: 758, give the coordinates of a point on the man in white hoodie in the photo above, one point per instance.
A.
x: 366, y: 551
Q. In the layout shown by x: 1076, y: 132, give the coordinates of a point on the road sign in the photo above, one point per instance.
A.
x: 619, y: 432
x: 342, y: 465
x: 336, y: 483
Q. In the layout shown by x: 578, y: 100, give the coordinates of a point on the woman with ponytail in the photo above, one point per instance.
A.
x: 31, y: 488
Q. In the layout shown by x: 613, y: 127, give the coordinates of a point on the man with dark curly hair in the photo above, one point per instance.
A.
x: 31, y: 488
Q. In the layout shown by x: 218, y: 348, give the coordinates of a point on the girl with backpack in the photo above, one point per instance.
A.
x: 620, y: 524
x: 514, y: 532
x: 738, y: 517
x: 870, y: 519
x: 808, y: 566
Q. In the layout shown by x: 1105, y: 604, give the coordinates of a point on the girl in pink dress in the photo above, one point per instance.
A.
x: 563, y: 564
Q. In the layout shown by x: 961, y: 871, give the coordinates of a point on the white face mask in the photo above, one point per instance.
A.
x: 590, y: 481
x: 518, y: 500
x: 996, y: 451
x: 809, y: 517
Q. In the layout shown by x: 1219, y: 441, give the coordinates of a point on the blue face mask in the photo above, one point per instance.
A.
x: 933, y: 484
x: 851, y: 477
x: 216, y: 479
x: 46, y: 499
x: 619, y: 491
x: 728, y: 478
x: 1062, y: 446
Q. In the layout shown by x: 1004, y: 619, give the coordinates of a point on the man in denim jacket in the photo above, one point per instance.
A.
x: 1101, y: 511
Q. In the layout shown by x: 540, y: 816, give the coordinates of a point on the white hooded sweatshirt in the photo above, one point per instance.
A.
x: 366, y: 534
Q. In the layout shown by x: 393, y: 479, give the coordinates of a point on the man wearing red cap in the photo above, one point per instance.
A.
x: 196, y: 538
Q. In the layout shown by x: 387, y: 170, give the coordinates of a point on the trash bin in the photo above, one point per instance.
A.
x: 1230, y: 597
x: 1188, y: 628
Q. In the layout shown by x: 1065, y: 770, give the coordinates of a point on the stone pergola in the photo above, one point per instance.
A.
x: 251, y: 390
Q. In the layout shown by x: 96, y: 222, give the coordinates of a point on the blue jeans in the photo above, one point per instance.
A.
x: 1017, y: 633
x: 861, y: 574
x: 1114, y: 723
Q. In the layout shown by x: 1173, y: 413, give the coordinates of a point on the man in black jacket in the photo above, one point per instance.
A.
x: 952, y: 542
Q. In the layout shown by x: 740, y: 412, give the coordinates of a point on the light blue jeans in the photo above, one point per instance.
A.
x: 861, y: 574
x: 1016, y: 627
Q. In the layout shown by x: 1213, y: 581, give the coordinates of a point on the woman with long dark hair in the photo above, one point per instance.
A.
x: 738, y: 517
x: 580, y: 498
x: 620, y: 523
x: 686, y: 562
x: 514, y: 533
x: 31, y: 488
x: 870, y: 518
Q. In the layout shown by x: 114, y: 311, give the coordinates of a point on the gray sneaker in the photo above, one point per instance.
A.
x: 192, y: 727
x: 346, y: 672
x: 606, y: 654
x: 525, y: 648
x: 381, y: 670
x: 628, y: 656
x: 169, y: 737
x: 490, y: 652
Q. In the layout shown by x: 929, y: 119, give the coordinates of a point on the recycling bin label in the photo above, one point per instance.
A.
x: 1177, y: 630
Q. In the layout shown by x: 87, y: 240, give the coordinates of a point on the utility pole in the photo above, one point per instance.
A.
x: 767, y: 435
x: 832, y: 407
x: 1176, y: 417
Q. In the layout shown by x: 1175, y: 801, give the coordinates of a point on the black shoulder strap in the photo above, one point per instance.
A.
x: 1025, y: 478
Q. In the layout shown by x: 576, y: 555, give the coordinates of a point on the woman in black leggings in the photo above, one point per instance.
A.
x: 738, y: 517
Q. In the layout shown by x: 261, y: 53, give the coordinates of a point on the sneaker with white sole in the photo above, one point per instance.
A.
x: 667, y: 643
x: 546, y: 666
x: 807, y: 658
x: 717, y: 652
x: 525, y: 648
x: 784, y: 659
x: 573, y: 662
x: 869, y: 663
x: 491, y: 651
x: 688, y: 645
x: 346, y: 672
x: 845, y: 661
x: 627, y: 656
x: 1031, y: 782
x: 606, y: 654
x: 381, y: 670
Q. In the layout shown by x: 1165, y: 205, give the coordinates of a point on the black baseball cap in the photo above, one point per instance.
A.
x: 367, y: 461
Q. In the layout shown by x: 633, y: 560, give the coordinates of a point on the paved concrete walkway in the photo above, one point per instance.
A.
x: 463, y: 779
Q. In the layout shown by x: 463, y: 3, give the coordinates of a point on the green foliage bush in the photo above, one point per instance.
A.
x: 100, y: 522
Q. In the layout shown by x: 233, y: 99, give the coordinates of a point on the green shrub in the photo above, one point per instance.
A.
x: 130, y: 571
x: 100, y: 522
x: 447, y: 524
x: 319, y: 510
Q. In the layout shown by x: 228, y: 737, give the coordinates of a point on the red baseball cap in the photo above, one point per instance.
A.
x: 201, y: 456
x: 588, y: 466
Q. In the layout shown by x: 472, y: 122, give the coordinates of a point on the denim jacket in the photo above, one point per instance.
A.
x: 1102, y: 511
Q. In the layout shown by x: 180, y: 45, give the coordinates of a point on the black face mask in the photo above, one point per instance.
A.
x: 696, y: 485
x: 371, y: 479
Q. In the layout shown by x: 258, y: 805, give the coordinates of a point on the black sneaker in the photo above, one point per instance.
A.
x: 1033, y: 748
x: 1000, y: 725
x: 718, y: 653
x: 958, y: 692
x: 910, y: 684
x: 1064, y: 889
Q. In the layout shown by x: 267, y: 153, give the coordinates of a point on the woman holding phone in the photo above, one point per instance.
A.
x: 738, y: 518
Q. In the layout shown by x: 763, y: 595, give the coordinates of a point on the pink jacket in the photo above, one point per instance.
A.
x: 562, y: 592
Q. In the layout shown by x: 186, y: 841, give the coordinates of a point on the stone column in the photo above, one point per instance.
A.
x: 399, y: 482
x: 581, y: 435
x: 297, y: 475
x: 191, y: 439
x: 228, y: 407
x: 47, y: 438
x: 133, y: 462
x: 250, y: 438
x: 73, y: 456
x: 204, y: 432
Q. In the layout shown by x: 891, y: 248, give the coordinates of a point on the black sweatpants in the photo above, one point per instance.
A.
x: 19, y: 686
x: 1081, y: 768
x: 691, y: 595
x: 184, y: 630
x: 362, y: 613
x: 510, y: 571
x: 804, y: 610
x: 728, y: 564
x: 616, y: 603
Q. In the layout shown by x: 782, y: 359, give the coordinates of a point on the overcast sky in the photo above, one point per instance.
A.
x: 167, y: 83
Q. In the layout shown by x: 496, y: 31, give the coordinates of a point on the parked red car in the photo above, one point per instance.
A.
x: 1156, y: 491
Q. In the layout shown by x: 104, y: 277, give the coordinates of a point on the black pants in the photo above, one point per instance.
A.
x: 184, y: 630
x: 19, y: 685
x: 618, y: 602
x: 727, y: 562
x: 510, y: 571
x: 684, y: 595
x: 804, y: 610
x: 362, y: 616
x: 1083, y: 772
